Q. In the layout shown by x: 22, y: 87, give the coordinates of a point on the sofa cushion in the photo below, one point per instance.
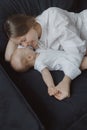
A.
x: 15, y: 112
x: 82, y: 5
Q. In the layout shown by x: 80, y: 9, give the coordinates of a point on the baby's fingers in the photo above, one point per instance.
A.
x: 61, y: 96
x: 52, y: 91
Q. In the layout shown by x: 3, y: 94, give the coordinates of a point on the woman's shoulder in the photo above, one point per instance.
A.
x: 57, y: 12
x: 55, y: 9
x: 52, y: 11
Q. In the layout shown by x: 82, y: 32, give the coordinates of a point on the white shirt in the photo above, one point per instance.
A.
x: 66, y: 31
x: 55, y: 60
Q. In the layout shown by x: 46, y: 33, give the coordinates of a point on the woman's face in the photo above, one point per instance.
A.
x: 29, y: 39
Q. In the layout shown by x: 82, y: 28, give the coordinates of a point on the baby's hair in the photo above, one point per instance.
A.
x: 18, y: 25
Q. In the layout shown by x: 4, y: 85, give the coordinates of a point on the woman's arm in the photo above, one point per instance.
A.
x: 63, y: 88
x: 11, y: 46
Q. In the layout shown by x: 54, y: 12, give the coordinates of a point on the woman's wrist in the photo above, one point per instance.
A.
x: 67, y: 79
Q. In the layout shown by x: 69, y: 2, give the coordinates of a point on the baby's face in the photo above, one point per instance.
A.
x: 25, y: 57
x: 22, y: 59
x: 29, y: 51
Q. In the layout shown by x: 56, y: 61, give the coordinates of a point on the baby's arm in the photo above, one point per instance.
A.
x: 11, y: 46
x: 46, y: 75
x: 63, y: 88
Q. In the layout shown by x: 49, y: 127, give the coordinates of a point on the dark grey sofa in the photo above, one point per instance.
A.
x: 15, y: 112
x: 68, y: 114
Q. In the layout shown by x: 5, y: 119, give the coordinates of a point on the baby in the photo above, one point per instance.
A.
x: 45, y: 61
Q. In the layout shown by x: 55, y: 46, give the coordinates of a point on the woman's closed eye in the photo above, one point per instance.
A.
x: 25, y: 44
x: 23, y: 40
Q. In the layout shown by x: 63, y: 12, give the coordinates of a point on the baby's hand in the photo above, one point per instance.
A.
x: 63, y: 91
x: 52, y: 91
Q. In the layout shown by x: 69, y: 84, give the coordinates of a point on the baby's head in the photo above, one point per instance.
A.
x: 22, y: 59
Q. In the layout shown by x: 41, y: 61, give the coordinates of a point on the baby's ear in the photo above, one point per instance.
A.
x: 30, y: 57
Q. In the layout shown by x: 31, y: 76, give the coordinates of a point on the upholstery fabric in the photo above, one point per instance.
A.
x: 15, y: 112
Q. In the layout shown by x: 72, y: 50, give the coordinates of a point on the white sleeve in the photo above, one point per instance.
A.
x: 68, y: 34
x: 70, y: 70
x: 75, y: 48
x: 39, y: 66
x: 73, y: 44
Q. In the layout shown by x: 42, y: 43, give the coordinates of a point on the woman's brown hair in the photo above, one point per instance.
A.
x: 18, y: 25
